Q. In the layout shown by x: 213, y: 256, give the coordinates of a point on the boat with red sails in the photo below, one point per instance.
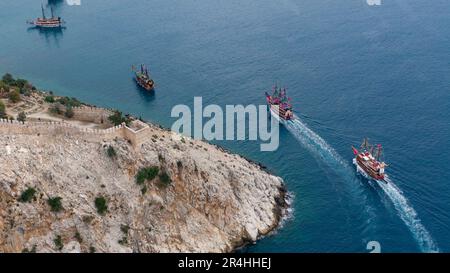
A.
x: 280, y: 104
x: 367, y: 161
x: 44, y: 22
x: 142, y: 78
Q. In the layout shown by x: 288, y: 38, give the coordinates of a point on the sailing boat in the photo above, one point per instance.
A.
x: 280, y: 104
x: 44, y: 22
x: 143, y: 78
x: 367, y: 163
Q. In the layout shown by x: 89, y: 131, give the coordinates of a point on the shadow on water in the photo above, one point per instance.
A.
x: 49, y: 34
x: 55, y: 3
x: 147, y: 96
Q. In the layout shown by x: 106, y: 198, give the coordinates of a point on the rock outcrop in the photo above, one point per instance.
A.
x: 210, y: 200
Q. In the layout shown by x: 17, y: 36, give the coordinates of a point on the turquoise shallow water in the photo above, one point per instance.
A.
x: 352, y: 70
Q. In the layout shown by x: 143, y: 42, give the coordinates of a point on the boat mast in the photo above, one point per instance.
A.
x: 371, y: 149
x: 364, y: 144
x: 379, y: 151
x: 43, y: 13
x: 51, y: 10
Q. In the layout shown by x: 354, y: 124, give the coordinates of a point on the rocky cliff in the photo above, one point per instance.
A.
x: 202, y: 199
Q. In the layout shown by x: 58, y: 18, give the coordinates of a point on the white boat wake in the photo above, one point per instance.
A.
x: 319, y: 146
x: 409, y: 216
x: 314, y: 142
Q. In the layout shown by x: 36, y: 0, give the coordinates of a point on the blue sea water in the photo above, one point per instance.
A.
x: 353, y: 70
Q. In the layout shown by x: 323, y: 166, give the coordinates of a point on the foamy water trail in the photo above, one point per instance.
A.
x: 406, y: 212
x: 409, y: 216
x: 319, y: 147
x: 314, y: 142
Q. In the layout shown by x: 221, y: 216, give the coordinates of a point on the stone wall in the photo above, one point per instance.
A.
x: 58, y: 128
x: 135, y: 136
x: 90, y: 114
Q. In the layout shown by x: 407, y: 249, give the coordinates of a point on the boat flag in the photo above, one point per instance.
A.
x: 354, y: 150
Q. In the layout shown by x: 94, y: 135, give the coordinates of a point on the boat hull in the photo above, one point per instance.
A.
x: 367, y: 171
x: 144, y: 85
x: 276, y: 113
x: 53, y: 24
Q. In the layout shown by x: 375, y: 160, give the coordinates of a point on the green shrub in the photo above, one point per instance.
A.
x: 165, y: 179
x: 55, y: 110
x: 144, y: 190
x: 58, y: 242
x: 101, y: 205
x: 14, y: 96
x: 118, y: 119
x: 111, y: 152
x: 55, y: 204
x: 141, y: 176
x: 123, y: 241
x: 8, y: 79
x: 2, y: 110
x: 69, y: 102
x: 27, y: 195
x: 21, y: 83
x: 50, y: 99
x: 26, y: 250
x: 148, y: 173
x: 160, y: 157
x: 69, y: 112
x: 21, y: 117
x: 152, y: 172
x: 92, y: 249
x: 78, y: 237
x: 125, y: 228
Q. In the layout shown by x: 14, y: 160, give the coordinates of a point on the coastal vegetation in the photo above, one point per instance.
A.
x: 2, y: 110
x: 101, y: 205
x: 111, y: 152
x: 78, y: 237
x: 21, y: 117
x: 69, y: 112
x: 55, y: 204
x: 55, y: 110
x: 58, y: 242
x: 117, y: 118
x: 27, y: 195
x: 8, y: 83
x: 146, y: 174
x: 124, y: 229
x: 32, y: 250
x: 14, y: 96
x: 165, y: 179
x: 69, y: 102
x: 49, y: 99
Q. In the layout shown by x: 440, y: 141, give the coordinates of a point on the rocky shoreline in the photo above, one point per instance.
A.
x: 200, y: 197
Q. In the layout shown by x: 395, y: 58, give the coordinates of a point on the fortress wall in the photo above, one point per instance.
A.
x: 90, y: 114
x: 136, y: 137
x: 58, y: 128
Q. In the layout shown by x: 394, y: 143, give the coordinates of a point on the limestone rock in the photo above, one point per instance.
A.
x: 215, y: 202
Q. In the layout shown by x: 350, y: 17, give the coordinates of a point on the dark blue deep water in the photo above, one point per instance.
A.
x: 353, y: 70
